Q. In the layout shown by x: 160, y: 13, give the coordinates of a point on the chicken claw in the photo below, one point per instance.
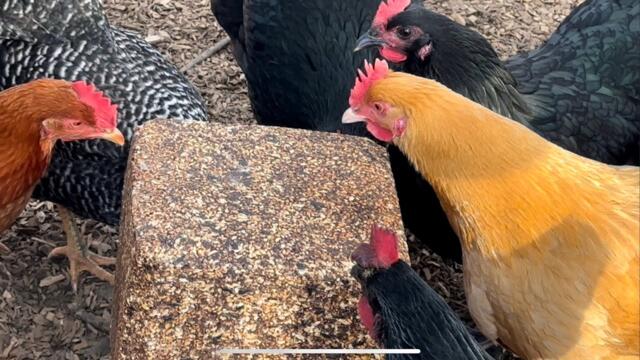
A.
x: 80, y: 258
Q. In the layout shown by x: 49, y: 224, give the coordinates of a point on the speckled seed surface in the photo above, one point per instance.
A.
x: 240, y: 236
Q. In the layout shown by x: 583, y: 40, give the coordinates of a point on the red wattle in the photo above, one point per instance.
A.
x: 366, y: 315
x: 379, y: 132
x: 392, y: 55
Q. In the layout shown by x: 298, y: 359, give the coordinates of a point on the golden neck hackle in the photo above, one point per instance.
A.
x: 493, y: 175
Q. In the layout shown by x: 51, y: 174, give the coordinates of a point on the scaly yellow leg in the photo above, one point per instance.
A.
x: 76, y: 250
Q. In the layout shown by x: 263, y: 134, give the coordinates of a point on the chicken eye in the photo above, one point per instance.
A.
x: 404, y: 32
x: 76, y: 123
x: 378, y: 107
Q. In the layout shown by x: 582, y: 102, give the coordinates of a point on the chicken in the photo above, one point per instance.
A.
x: 549, y: 238
x: 37, y: 40
x: 33, y: 117
x: 580, y: 90
x: 401, y: 311
x: 297, y: 57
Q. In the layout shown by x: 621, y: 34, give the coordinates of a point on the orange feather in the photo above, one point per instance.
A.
x: 25, y: 152
x: 550, y: 239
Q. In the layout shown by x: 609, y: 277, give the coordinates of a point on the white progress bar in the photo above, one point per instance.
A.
x: 317, y: 351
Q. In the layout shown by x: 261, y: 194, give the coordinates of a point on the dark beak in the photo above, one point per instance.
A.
x: 369, y: 39
x: 357, y: 272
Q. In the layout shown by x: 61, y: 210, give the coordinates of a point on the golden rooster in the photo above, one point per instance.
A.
x: 550, y: 239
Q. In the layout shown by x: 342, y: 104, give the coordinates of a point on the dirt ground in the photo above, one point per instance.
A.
x: 41, y: 317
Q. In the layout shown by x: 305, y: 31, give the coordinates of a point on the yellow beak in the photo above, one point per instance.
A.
x: 115, y: 136
x: 350, y: 117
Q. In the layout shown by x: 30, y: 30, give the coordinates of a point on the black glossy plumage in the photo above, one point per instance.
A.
x: 72, y: 40
x: 412, y: 315
x: 298, y: 57
x: 581, y: 90
x: 583, y: 84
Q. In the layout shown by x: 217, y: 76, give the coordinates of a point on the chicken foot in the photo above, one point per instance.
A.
x: 80, y: 258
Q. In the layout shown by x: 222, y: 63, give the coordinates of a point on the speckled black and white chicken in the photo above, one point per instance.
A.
x: 72, y: 40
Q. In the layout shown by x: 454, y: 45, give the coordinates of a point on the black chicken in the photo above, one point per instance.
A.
x: 72, y: 40
x: 581, y: 89
x: 401, y: 311
x: 297, y: 57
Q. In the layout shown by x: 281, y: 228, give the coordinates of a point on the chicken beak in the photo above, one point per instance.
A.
x: 367, y: 40
x: 115, y: 136
x: 350, y: 117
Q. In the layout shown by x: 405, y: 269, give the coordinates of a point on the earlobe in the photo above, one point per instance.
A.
x: 46, y: 139
x: 425, y: 51
x: 44, y: 133
x: 399, y: 126
x: 45, y: 129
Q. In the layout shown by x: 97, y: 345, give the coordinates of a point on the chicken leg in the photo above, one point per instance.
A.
x: 77, y: 251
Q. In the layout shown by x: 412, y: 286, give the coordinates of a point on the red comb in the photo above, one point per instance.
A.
x: 385, y: 245
x: 106, y: 114
x: 389, y: 9
x: 380, y: 252
x: 365, y: 79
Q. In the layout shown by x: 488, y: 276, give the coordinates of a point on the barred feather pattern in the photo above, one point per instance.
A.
x: 87, y: 176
